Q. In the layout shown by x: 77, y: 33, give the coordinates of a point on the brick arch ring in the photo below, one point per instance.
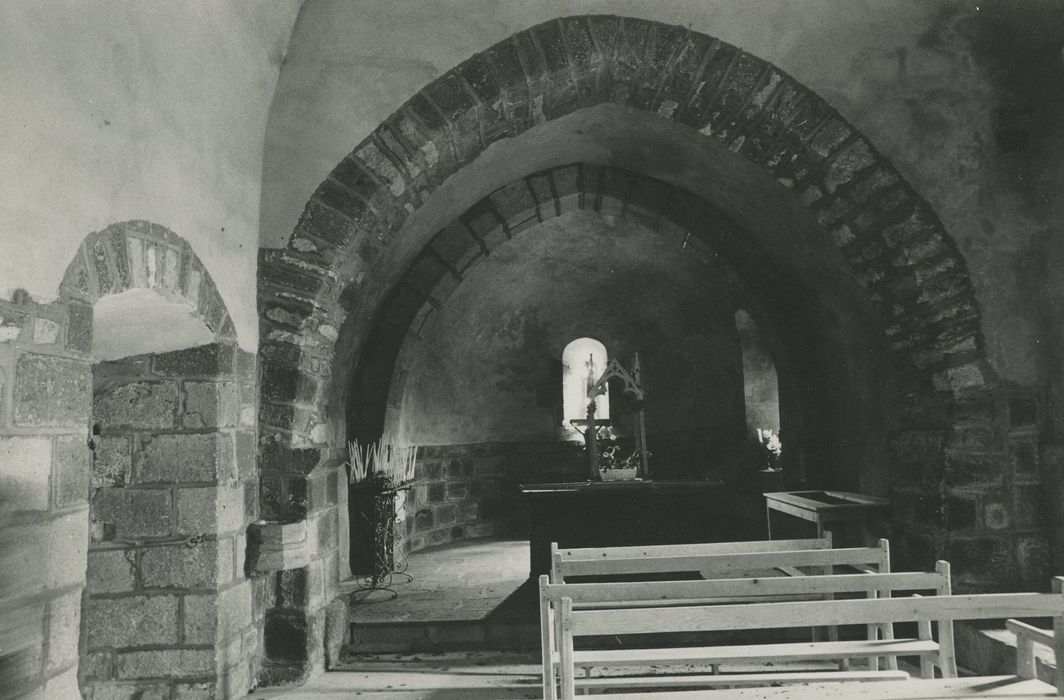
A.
x: 894, y: 243
x: 143, y: 255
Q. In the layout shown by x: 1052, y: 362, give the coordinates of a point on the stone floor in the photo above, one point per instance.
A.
x: 468, y: 591
x: 472, y: 580
x: 467, y: 596
x: 474, y: 675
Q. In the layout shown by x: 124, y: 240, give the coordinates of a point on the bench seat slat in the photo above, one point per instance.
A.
x: 915, y: 689
x: 1021, y: 629
x: 793, y: 651
x: 677, y: 602
x: 740, y: 679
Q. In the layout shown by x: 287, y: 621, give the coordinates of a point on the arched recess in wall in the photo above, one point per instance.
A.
x: 583, y: 361
x: 652, y: 118
x: 172, y: 482
x: 151, y: 281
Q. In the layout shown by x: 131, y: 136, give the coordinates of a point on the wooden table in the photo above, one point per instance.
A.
x: 603, y: 514
x: 826, y: 509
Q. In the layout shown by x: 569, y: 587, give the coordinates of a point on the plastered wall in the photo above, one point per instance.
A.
x: 116, y: 111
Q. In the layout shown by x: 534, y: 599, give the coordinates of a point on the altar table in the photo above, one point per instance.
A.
x: 604, y: 514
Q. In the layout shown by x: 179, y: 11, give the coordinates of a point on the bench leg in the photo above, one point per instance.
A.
x: 927, y: 665
x: 871, y: 632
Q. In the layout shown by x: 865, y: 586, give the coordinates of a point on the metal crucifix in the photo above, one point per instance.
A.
x: 633, y: 386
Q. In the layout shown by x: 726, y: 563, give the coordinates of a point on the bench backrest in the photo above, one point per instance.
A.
x: 729, y: 590
x: 659, y: 550
x: 720, y: 564
x: 705, y: 618
x: 735, y: 590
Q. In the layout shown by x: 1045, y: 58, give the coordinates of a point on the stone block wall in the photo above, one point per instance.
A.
x: 170, y: 607
x: 970, y: 486
x: 468, y: 491
x: 45, y: 395
x: 300, y: 595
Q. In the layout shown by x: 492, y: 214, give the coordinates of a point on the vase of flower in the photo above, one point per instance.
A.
x: 627, y: 474
x: 612, y: 467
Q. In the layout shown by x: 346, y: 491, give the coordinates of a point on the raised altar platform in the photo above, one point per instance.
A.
x: 601, y: 514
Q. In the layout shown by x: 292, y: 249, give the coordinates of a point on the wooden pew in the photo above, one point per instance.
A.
x: 711, y: 562
x: 940, y: 610
x: 646, y: 594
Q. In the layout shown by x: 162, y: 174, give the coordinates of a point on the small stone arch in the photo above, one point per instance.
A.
x: 144, y: 255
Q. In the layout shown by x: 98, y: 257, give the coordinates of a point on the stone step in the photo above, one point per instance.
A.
x: 438, y: 636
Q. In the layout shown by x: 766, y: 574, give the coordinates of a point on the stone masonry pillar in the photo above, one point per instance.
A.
x: 170, y: 608
x: 45, y: 396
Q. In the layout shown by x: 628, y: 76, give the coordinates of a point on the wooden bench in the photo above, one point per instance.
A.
x: 646, y: 594
x: 717, y: 560
x: 924, y: 611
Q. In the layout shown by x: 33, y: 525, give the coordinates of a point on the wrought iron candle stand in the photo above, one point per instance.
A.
x: 372, y: 508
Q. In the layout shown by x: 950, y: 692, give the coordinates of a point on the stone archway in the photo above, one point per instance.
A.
x: 143, y: 255
x: 167, y: 605
x: 550, y: 96
x: 150, y: 608
x: 567, y: 65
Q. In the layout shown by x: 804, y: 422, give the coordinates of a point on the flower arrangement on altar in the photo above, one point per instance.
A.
x: 613, y: 467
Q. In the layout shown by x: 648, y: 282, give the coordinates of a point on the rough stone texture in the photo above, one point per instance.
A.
x: 200, y: 619
x: 79, y: 328
x: 170, y: 663
x: 45, y: 331
x: 111, y: 571
x: 178, y: 458
x: 134, y: 513
x: 209, y: 404
x: 470, y: 491
x: 179, y: 566
x: 204, y: 361
x: 195, y: 473
x: 131, y: 691
x: 51, y: 391
x: 112, y: 463
x: 137, y: 405
x: 197, y: 691
x: 131, y: 621
x: 196, y: 510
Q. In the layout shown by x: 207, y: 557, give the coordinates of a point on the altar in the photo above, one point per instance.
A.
x: 612, y: 513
